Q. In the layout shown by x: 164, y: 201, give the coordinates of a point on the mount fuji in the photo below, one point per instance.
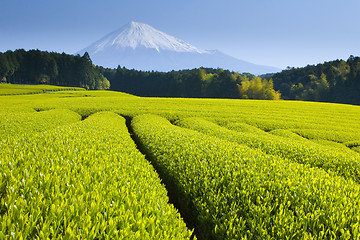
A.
x: 142, y: 47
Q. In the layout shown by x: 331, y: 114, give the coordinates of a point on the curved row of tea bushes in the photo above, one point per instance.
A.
x: 285, y: 133
x: 344, y: 163
x: 289, y: 134
x: 237, y: 192
x: 86, y: 180
x: 14, y: 89
x: 341, y: 132
x: 18, y: 123
x: 354, y: 145
x: 330, y: 135
x: 334, y: 122
x: 243, y: 127
x: 297, y: 114
x: 340, y: 146
x: 356, y: 149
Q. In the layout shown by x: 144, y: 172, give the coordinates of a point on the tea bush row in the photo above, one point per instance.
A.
x: 345, y: 163
x: 14, y: 89
x: 85, y: 180
x: 236, y: 192
x: 14, y: 123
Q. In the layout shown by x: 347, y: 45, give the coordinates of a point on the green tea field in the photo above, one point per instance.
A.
x: 109, y: 165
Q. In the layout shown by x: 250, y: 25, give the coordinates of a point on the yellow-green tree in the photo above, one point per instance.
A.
x: 257, y: 89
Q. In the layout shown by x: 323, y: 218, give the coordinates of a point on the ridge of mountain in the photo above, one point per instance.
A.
x: 142, y: 47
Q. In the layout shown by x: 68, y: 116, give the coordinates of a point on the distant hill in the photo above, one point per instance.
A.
x: 335, y: 81
x: 142, y: 47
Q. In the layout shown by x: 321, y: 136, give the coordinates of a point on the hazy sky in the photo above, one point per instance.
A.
x: 278, y: 33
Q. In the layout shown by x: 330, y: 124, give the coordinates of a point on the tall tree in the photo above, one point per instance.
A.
x: 39, y: 67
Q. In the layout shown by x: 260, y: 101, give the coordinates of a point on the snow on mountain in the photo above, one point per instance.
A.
x: 136, y: 35
x: 140, y: 46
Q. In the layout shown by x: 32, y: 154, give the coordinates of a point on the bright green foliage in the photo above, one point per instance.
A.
x: 14, y: 89
x: 354, y: 145
x: 239, y: 192
x: 85, y: 180
x: 320, y: 140
x: 327, y: 119
x: 256, y: 88
x: 27, y: 117
x: 356, y: 149
x: 287, y: 134
x: 243, y: 127
x: 27, y: 122
x: 345, y: 163
x: 340, y: 146
x: 330, y: 135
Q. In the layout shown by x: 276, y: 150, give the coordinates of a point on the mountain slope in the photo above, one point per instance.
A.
x: 142, y: 47
x: 138, y: 35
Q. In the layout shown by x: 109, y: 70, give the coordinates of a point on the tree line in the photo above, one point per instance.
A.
x: 335, y: 81
x: 41, y: 67
x: 196, y: 83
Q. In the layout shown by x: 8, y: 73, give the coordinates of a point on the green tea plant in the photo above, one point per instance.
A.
x: 270, y: 197
x: 84, y: 180
x: 289, y: 134
x: 240, y: 193
x: 285, y: 133
x: 330, y: 135
x: 14, y: 89
x: 345, y: 163
x: 14, y: 123
x: 354, y: 145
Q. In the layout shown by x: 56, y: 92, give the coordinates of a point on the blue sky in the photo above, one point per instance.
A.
x: 278, y: 33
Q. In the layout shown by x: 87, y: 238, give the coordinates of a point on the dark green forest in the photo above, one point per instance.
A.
x: 39, y: 67
x: 336, y: 81
x: 202, y: 82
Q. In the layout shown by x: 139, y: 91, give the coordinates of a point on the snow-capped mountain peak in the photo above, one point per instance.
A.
x: 142, y: 47
x: 135, y: 35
